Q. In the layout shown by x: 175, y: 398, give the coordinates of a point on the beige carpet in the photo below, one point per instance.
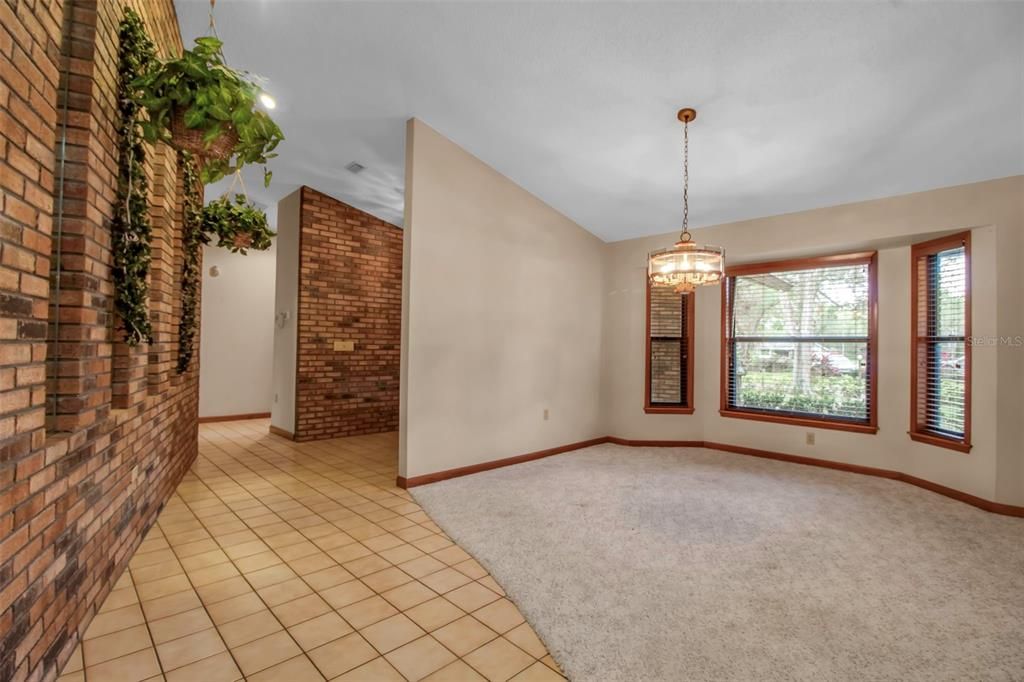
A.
x: 689, y: 564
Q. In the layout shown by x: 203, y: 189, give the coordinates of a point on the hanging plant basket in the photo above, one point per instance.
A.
x: 192, y: 139
x: 197, y: 104
x: 238, y: 224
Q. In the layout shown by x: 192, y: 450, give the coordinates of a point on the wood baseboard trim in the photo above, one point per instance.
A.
x: 800, y: 459
x: 655, y: 443
x: 414, y: 481
x: 973, y: 500
x: 281, y: 432
x: 235, y: 417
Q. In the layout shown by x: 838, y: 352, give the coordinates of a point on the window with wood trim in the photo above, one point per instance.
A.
x: 940, y: 364
x: 669, y: 367
x: 799, y: 342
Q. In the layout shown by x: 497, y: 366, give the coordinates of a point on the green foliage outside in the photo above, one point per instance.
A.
x: 831, y: 395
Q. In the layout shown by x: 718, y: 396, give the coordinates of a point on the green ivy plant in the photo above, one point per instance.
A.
x: 214, y: 99
x: 192, y: 241
x: 131, y: 231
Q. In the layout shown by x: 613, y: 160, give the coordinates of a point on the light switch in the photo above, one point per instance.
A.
x: 345, y: 346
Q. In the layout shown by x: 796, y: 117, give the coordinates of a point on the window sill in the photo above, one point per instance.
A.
x: 800, y: 421
x: 939, y: 441
x: 649, y: 409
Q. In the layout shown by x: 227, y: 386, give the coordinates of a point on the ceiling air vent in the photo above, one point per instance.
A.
x: 355, y: 167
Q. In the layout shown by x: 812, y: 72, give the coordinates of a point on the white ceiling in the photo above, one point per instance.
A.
x: 800, y: 105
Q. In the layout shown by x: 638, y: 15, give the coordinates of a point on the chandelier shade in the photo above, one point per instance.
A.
x: 686, y: 265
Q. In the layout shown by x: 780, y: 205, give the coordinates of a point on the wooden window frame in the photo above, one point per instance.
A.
x: 918, y: 432
x: 688, y: 321
x: 870, y: 258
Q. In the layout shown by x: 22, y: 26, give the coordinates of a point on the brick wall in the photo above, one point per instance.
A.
x: 94, y: 436
x: 350, y: 289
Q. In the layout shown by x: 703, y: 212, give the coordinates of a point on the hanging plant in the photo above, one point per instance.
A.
x: 131, y: 231
x: 197, y: 103
x: 237, y: 224
x: 192, y: 241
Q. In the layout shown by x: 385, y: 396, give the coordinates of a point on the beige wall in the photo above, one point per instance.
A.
x: 286, y: 307
x: 993, y: 210
x: 511, y: 308
x: 502, y: 315
x: 237, y: 353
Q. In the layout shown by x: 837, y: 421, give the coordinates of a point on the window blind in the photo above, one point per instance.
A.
x: 940, y: 343
x: 798, y: 344
x: 668, y: 347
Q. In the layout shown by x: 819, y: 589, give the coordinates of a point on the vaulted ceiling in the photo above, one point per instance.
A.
x: 800, y: 105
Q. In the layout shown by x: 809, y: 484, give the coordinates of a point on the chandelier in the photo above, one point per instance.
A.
x: 686, y: 265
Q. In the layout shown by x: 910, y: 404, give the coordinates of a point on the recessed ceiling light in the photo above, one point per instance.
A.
x: 355, y: 167
x: 267, y: 101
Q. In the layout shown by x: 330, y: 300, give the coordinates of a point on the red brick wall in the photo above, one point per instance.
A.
x: 94, y: 436
x: 350, y: 289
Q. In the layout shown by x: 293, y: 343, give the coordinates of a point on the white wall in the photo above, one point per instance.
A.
x: 236, y: 352
x: 993, y: 210
x: 502, y: 306
x: 285, y: 310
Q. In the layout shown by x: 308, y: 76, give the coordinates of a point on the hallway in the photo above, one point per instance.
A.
x: 302, y: 561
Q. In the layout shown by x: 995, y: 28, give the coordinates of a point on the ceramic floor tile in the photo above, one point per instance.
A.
x: 189, y: 649
x: 298, y: 669
x: 301, y: 609
x: 456, y: 671
x: 526, y: 639
x: 501, y: 616
x: 285, y: 561
x: 249, y: 628
x: 135, y: 667
x: 391, y: 633
x: 344, y: 594
x: 367, y: 611
x: 538, y: 672
x: 112, y: 621
x: 265, y: 652
x: 342, y: 655
x: 419, y: 658
x: 445, y: 580
x: 217, y: 668
x: 499, y: 660
x: 471, y: 597
x: 179, y: 625
x: 382, y: 581
x: 377, y: 670
x: 320, y: 630
x: 435, y: 613
x: 464, y: 635
x: 116, y: 644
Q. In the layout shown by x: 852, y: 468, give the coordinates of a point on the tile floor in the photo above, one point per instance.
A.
x: 302, y: 561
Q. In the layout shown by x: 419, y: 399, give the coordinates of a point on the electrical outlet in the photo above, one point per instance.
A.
x: 810, y: 437
x: 546, y: 415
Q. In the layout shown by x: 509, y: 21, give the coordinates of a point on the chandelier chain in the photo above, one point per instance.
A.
x: 686, y: 181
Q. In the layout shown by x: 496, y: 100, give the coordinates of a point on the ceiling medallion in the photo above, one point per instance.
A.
x: 686, y: 265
